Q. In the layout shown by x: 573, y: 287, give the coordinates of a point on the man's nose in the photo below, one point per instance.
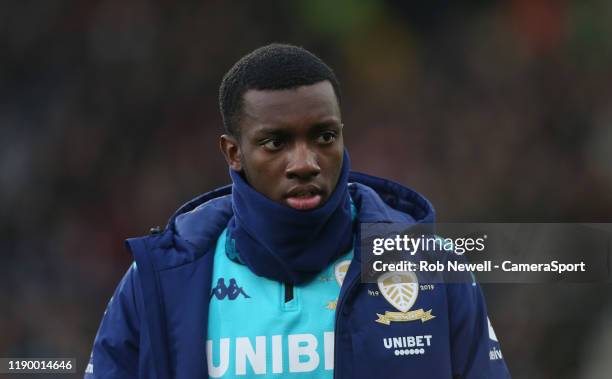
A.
x: 302, y: 163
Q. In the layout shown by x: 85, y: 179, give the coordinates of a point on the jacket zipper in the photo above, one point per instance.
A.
x: 342, y: 300
x: 338, y: 315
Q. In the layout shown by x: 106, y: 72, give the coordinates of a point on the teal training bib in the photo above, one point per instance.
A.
x: 254, y: 333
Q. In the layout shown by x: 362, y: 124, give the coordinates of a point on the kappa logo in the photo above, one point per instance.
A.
x: 401, y: 290
x: 221, y: 291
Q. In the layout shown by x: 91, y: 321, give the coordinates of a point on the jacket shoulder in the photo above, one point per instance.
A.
x: 382, y: 200
x: 189, y: 236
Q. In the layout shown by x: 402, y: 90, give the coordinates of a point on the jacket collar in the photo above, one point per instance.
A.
x: 199, y: 222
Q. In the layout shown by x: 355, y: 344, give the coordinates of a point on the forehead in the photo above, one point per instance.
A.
x: 299, y: 106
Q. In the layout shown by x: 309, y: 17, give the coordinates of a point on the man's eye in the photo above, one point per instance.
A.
x: 326, y: 138
x: 273, y: 144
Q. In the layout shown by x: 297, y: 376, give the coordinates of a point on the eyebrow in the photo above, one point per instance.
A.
x: 327, y: 124
x: 281, y: 131
x: 270, y: 131
x: 267, y: 131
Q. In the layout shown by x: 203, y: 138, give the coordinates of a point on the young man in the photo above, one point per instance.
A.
x: 261, y: 278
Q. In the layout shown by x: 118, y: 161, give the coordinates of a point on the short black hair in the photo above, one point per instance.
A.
x: 271, y: 67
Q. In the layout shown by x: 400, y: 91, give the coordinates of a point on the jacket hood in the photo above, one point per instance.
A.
x: 200, y: 221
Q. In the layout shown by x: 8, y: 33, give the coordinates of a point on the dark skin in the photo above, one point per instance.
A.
x: 290, y: 146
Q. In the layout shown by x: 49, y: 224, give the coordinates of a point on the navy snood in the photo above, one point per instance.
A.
x: 284, y: 244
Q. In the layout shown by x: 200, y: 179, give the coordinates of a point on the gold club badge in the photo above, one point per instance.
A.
x: 340, y: 271
x: 401, y: 290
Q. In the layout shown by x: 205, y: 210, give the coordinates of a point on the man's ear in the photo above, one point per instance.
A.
x: 231, y: 151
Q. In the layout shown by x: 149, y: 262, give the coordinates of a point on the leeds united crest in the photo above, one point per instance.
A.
x: 401, y: 290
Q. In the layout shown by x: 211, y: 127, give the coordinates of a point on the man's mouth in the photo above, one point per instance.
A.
x: 304, y: 199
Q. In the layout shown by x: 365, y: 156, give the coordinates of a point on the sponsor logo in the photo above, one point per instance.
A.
x: 303, y: 354
x: 221, y: 291
x: 495, y: 354
x: 401, y: 290
x: 408, y: 345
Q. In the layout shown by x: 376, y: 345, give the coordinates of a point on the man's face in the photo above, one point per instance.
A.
x: 290, y: 147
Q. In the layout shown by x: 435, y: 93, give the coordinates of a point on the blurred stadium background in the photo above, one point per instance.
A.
x: 497, y: 111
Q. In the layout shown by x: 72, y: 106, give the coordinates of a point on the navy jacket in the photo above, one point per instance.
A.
x: 155, y: 323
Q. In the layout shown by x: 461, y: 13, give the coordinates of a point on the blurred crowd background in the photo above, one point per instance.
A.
x: 497, y: 111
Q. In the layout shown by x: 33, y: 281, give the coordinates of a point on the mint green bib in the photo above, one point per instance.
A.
x: 254, y: 333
